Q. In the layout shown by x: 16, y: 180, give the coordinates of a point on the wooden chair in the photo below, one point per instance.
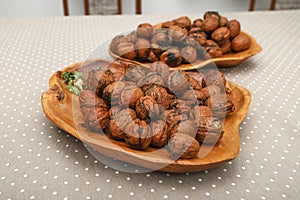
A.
x: 87, y: 7
x: 252, y: 5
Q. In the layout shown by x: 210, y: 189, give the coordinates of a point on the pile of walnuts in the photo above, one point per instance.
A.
x: 182, y: 41
x: 157, y: 107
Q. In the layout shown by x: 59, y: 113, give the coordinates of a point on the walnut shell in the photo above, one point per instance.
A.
x: 160, y: 133
x: 223, y: 21
x: 210, y: 130
x: 161, y: 38
x: 184, y: 21
x: 177, y: 33
x: 132, y: 37
x: 187, y: 127
x: 97, y: 119
x: 171, y: 57
x: 159, y: 94
x: 119, y: 118
x: 178, y: 83
x: 88, y: 101
x: 182, y: 106
x: 152, y: 57
x: 144, y: 30
x: 142, y: 47
x: 151, y: 78
x: 220, y: 34
x: 215, y: 77
x: 98, y: 80
x: 172, y: 116
x: 225, y: 48
x: 235, y: 28
x: 116, y: 41
x: 200, y: 111
x: 161, y: 68
x: 138, y: 134
x: 205, y: 93
x: 135, y: 73
x: 221, y: 105
x: 147, y: 109
x: 200, y: 37
x: 241, y: 42
x: 210, y: 24
x: 126, y: 50
x: 183, y: 146
x: 197, y: 23
x: 130, y: 95
x: 210, y: 14
x: 112, y: 93
x: 189, y: 54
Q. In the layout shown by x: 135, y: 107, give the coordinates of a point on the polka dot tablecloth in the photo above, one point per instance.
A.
x: 39, y: 161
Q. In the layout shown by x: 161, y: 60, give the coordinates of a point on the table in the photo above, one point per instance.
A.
x: 39, y: 161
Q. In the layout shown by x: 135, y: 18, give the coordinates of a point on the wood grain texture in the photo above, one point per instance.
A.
x: 227, y: 60
x: 65, y: 113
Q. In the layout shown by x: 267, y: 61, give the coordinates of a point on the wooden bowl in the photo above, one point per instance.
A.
x: 62, y: 108
x: 227, y: 60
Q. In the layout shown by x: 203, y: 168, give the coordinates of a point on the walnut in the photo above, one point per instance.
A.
x: 152, y: 57
x: 120, y: 117
x: 183, y: 146
x: 97, y: 119
x: 168, y: 24
x: 210, y: 14
x: 159, y: 93
x: 235, y: 28
x: 142, y: 47
x: 112, y: 92
x: 197, y: 23
x: 215, y: 77
x: 89, y: 101
x: 116, y: 41
x: 118, y: 69
x: 171, y: 57
x: 187, y: 127
x: 138, y: 134
x: 147, y: 109
x: 241, y: 42
x: 206, y: 92
x: 151, y: 78
x: 160, y: 133
x: 198, y: 77
x: 172, y: 116
x: 161, y: 68
x: 220, y: 35
x: 210, y: 130
x: 200, y: 37
x: 177, y: 33
x: 221, y: 105
x: 98, y: 80
x: 200, y: 111
x: 182, y: 106
x: 210, y: 24
x: 184, y: 21
x: 225, y: 48
x: 178, y: 83
x: 135, y: 73
x: 161, y: 38
x: 223, y: 21
x: 132, y: 37
x: 144, y: 30
x: 213, y: 49
x: 130, y: 95
x: 94, y: 110
x: 126, y: 50
x: 195, y: 84
x: 189, y: 54
x: 190, y: 96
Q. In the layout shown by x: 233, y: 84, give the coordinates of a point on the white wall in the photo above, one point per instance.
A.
x: 33, y: 8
